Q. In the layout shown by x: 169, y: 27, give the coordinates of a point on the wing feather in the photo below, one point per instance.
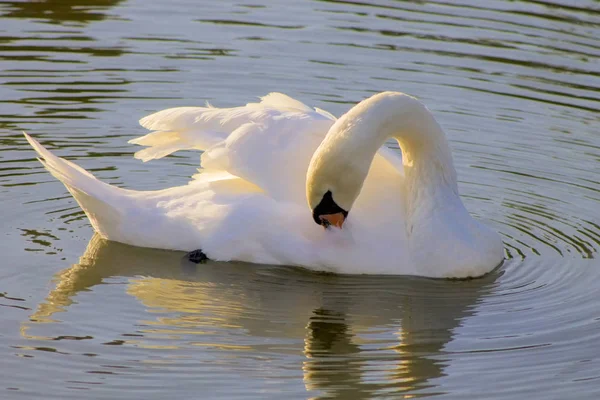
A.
x: 269, y: 143
x: 199, y: 128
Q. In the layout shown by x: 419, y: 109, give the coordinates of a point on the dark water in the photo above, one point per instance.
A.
x: 514, y: 83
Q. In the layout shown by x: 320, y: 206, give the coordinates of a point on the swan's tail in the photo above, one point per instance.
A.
x: 101, y: 202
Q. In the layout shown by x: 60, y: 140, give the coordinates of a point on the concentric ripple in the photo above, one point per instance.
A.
x: 515, y: 84
x: 190, y: 326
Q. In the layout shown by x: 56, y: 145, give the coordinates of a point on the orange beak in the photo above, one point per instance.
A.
x: 336, y: 219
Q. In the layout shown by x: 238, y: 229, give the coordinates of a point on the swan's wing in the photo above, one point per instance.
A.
x: 269, y: 143
x: 199, y: 128
x: 273, y: 155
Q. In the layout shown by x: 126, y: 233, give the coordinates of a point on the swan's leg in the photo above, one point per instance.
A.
x: 197, y: 256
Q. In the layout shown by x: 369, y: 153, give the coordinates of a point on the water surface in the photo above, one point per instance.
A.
x: 515, y: 84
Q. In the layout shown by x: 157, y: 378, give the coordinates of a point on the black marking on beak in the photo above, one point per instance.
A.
x: 325, y: 207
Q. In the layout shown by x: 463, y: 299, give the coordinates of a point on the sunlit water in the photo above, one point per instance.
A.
x: 516, y: 86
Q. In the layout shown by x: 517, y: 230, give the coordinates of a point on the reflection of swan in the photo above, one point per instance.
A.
x: 405, y: 215
x: 361, y: 334
x: 423, y: 315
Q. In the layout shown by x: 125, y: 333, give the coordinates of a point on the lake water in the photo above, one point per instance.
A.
x: 515, y: 84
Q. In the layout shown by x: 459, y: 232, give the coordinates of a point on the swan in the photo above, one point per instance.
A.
x: 383, y: 212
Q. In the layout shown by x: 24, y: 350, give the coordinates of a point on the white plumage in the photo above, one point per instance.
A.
x: 248, y: 203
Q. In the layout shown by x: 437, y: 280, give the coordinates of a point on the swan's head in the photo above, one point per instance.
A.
x: 341, y: 163
x: 331, y: 194
x: 334, y: 181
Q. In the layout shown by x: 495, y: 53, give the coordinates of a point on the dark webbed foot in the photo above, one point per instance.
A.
x: 197, y: 256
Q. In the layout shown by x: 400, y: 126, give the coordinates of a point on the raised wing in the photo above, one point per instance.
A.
x: 269, y: 143
x: 199, y: 128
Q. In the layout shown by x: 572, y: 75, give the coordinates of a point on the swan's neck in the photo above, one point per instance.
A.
x: 342, y: 161
x: 430, y: 186
x: 433, y: 212
x: 426, y: 155
x: 428, y: 167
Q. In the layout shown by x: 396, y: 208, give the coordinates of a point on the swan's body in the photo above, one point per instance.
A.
x: 249, y: 201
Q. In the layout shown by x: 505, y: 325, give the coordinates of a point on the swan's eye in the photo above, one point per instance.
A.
x: 328, y: 213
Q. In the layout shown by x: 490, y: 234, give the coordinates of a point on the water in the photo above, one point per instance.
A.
x: 516, y: 86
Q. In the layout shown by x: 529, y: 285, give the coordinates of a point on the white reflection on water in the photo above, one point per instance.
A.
x: 361, y: 335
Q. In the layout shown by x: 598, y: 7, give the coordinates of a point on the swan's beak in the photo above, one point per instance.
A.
x: 328, y: 213
x: 336, y: 219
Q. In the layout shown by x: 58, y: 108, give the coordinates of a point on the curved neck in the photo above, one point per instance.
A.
x: 342, y: 161
x: 426, y: 155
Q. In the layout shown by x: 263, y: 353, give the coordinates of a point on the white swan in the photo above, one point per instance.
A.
x: 262, y: 160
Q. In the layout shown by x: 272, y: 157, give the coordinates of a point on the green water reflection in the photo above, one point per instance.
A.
x: 59, y: 11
